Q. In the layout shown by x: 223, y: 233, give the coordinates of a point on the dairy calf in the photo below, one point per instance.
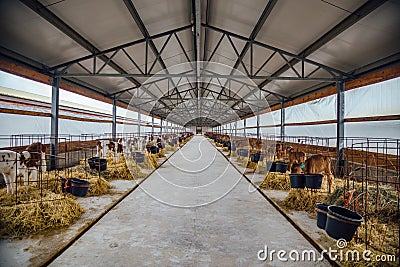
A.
x: 319, y: 164
x: 296, y: 156
x: 13, y: 164
x: 37, y: 160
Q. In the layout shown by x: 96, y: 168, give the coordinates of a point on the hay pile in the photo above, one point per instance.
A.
x: 32, y: 215
x: 169, y: 148
x: 161, y: 153
x: 251, y: 165
x: 382, y: 203
x: 261, y: 167
x: 381, y: 238
x: 150, y: 161
x: 300, y: 199
x: 276, y: 181
x: 123, y: 169
x: 117, y: 171
x: 98, y: 186
x: 243, y: 161
x: 51, y: 182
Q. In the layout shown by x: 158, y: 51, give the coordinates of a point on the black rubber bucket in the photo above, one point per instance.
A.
x: 314, y: 181
x: 271, y: 166
x: 243, y: 152
x: 154, y: 150
x: 79, y: 187
x: 257, y: 157
x: 322, y: 211
x: 297, y: 180
x: 281, y: 167
x: 139, y: 157
x: 342, y: 222
x: 97, y: 163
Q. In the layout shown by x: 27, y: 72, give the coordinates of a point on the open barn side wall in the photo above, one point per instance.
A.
x: 370, y: 111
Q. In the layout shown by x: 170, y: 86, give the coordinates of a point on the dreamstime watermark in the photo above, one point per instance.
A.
x: 311, y: 255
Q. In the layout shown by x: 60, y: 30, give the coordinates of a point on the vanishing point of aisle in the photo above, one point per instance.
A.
x: 195, y: 210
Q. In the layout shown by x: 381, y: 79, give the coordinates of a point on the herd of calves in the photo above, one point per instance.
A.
x: 298, y: 161
x: 25, y: 163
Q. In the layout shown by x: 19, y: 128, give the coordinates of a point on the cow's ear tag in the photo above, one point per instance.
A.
x: 302, y: 166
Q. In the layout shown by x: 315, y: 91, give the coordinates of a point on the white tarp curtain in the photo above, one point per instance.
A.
x: 41, y: 125
x: 320, y: 130
x: 316, y: 110
x: 126, y: 128
x: 273, y: 118
x: 378, y: 99
x: 251, y: 122
x: 12, y: 124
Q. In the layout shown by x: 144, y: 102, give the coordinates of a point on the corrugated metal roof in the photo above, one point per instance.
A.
x: 339, y: 34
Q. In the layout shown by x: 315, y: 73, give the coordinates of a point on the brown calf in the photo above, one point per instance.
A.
x: 37, y: 151
x: 296, y: 157
x: 296, y: 168
x: 319, y: 164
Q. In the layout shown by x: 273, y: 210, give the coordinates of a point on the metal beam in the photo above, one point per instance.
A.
x: 283, y: 122
x: 120, y: 47
x: 55, y: 104
x: 205, y: 49
x: 349, y: 21
x: 50, y: 17
x: 216, y: 75
x: 283, y: 52
x: 340, y: 129
x: 114, y: 119
x: 135, y: 15
x: 196, y: 16
x: 267, y: 10
x: 139, y: 120
x: 152, y: 125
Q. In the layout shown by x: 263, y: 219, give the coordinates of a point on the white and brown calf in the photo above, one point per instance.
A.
x: 13, y: 164
x: 37, y: 160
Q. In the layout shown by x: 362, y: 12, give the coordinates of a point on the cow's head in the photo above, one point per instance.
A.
x: 297, y: 168
x: 25, y: 158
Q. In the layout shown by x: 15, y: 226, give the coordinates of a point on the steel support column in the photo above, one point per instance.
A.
x: 114, y: 119
x: 340, y: 129
x: 152, y: 125
x: 258, y: 126
x: 139, y: 120
x: 55, y: 103
x: 235, y: 128
x: 161, y: 126
x: 283, y: 122
x: 244, y: 127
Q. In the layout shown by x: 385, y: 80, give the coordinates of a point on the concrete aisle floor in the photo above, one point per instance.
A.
x: 195, y: 210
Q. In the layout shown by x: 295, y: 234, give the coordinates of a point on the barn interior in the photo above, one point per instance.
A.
x: 199, y: 133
